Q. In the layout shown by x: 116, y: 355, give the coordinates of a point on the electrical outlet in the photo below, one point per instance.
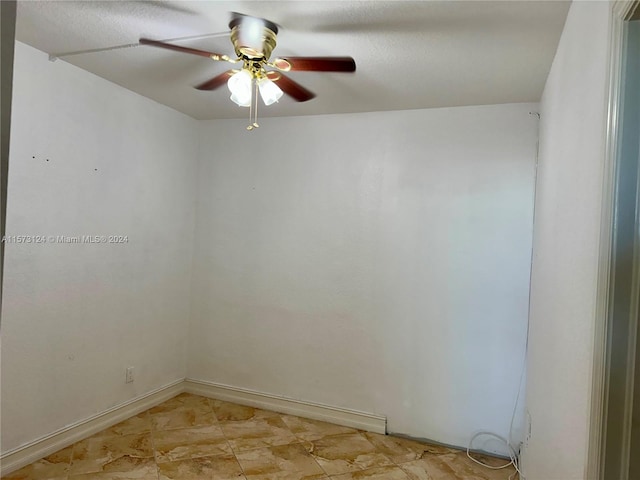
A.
x: 129, y: 377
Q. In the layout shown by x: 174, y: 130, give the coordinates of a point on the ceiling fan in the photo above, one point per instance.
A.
x: 253, y: 40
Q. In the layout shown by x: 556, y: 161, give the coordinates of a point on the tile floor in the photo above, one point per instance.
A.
x: 193, y: 437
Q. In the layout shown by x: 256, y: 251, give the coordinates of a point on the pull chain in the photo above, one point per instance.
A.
x: 250, y: 127
x: 253, y: 107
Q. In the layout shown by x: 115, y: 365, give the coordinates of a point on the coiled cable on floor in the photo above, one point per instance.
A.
x: 513, y: 456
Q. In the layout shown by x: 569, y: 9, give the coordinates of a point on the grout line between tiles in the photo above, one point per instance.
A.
x: 235, y: 457
x: 153, y: 444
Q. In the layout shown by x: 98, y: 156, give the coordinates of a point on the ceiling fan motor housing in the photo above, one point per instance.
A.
x: 253, y: 38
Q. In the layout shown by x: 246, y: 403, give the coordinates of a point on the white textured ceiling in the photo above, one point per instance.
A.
x: 418, y: 54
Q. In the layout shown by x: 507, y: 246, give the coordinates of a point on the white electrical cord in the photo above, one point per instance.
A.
x: 513, y: 455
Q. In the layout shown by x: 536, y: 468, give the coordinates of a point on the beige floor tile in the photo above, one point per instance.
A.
x: 493, y: 461
x: 381, y: 473
x: 53, y: 467
x: 185, y: 443
x: 231, y: 412
x: 462, y: 463
x: 182, y: 439
x: 184, y: 400
x: 148, y: 471
x: 111, y: 454
x: 339, y: 454
x: 226, y: 467
x: 183, y: 411
x: 137, y: 424
x: 181, y: 402
x: 190, y: 469
x: 452, y: 467
x: 307, y: 429
x: 219, y: 467
x: 182, y: 418
x: 401, y: 450
x: 257, y: 433
x: 284, y: 462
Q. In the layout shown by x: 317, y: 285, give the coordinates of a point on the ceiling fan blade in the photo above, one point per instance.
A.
x: 216, y: 81
x: 315, y: 64
x: 178, y: 48
x: 291, y: 88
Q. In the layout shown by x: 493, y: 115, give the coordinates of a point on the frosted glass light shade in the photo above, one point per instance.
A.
x: 240, y: 87
x: 241, y: 101
x: 269, y: 91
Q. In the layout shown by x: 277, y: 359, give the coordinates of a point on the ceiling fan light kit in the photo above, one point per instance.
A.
x: 254, y: 39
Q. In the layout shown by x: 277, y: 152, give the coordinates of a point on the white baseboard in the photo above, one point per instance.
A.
x: 25, y: 454
x: 340, y: 416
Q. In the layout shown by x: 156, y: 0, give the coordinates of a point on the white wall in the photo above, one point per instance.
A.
x: 567, y: 230
x: 74, y: 316
x: 378, y: 262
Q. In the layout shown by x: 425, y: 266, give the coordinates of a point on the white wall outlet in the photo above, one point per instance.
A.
x: 129, y: 377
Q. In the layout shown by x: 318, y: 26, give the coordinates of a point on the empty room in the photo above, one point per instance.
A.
x: 312, y: 240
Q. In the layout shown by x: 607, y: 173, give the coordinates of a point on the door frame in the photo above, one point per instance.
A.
x: 620, y: 13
